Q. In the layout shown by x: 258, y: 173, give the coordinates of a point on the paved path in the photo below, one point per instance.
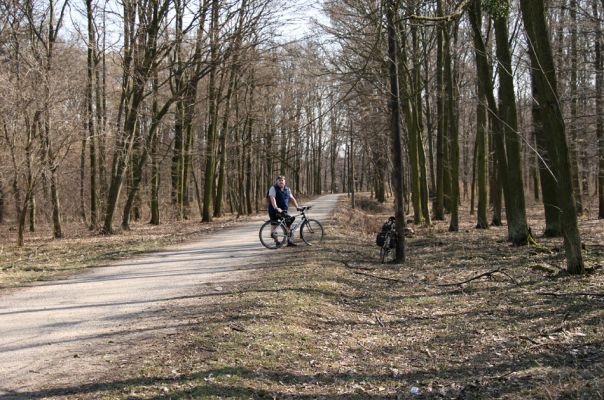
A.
x: 65, y: 331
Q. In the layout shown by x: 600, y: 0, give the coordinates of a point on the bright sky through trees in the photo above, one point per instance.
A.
x: 299, y: 19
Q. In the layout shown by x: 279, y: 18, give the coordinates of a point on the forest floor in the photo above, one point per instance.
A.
x: 468, y: 316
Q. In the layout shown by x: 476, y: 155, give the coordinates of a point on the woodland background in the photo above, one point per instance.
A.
x: 147, y: 110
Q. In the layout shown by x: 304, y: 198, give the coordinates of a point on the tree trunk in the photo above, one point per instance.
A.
x: 155, y: 159
x: 2, y: 202
x: 94, y: 214
x: 481, y: 160
x: 600, y: 116
x: 395, y: 130
x: 210, y: 170
x: 548, y: 182
x: 514, y: 201
x: 137, y: 71
x: 452, y: 154
x: 544, y: 75
x: 407, y: 98
x: 439, y: 200
x: 232, y: 85
x: 574, y: 112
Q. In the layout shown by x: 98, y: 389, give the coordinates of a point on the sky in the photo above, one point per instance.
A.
x: 298, y: 20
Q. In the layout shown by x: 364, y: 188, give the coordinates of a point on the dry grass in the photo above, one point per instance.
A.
x: 332, y: 323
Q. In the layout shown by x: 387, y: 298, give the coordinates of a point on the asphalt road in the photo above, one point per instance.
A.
x: 55, y: 337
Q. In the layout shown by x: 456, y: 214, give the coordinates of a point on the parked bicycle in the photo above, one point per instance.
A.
x: 273, y: 235
x: 386, y: 239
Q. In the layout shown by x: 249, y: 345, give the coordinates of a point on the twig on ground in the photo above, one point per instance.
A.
x: 489, y: 273
x: 562, y: 294
x: 379, y: 321
x: 529, y: 339
x: 384, y: 278
x: 510, y: 276
x: 347, y: 265
x: 237, y: 328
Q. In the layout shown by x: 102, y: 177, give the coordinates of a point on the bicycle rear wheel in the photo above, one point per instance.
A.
x: 272, y: 239
x: 387, y: 253
x: 311, y: 232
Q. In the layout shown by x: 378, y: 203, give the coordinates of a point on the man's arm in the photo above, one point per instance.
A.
x: 292, y: 198
x: 271, y: 195
x: 274, y: 204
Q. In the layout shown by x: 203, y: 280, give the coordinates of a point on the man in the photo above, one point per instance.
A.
x: 279, y: 196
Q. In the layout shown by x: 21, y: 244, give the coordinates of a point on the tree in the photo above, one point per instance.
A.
x: 513, y: 184
x: 599, y: 104
x: 543, y: 74
x: 395, y: 130
x: 142, y: 30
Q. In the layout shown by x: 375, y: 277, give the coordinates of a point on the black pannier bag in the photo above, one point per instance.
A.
x: 380, y: 238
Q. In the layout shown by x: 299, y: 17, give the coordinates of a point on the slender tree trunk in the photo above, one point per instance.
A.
x: 232, y: 85
x: 439, y: 201
x: 395, y: 129
x: 453, y: 139
x: 484, y: 77
x: 209, y: 182
x: 91, y: 119
x: 548, y: 182
x: 515, y: 206
x: 101, y: 106
x: 481, y: 160
x: 83, y: 177
x: 155, y: 158
x: 599, y: 105
x: 2, y: 205
x: 407, y: 98
x: 574, y: 103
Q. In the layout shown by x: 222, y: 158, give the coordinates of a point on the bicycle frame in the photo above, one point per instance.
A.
x: 296, y: 225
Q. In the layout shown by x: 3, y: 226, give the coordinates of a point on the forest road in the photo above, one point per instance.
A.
x: 58, y: 337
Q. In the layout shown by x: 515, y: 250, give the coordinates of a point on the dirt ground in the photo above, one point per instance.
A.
x: 466, y: 317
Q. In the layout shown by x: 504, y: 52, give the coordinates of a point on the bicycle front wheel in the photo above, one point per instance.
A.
x: 311, y: 232
x: 272, y: 236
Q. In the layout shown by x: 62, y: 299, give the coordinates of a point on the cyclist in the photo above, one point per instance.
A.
x: 279, y: 196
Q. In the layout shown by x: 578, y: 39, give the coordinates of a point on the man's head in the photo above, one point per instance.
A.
x: 280, y: 181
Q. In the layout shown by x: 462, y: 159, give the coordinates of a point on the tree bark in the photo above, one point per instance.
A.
x: 481, y: 160
x: 439, y: 200
x: 514, y: 192
x: 452, y: 154
x: 395, y: 130
x: 544, y: 76
x: 210, y: 170
x: 599, y: 105
x: 94, y: 214
x: 574, y: 104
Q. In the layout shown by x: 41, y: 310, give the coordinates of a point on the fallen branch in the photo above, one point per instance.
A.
x: 489, y: 273
x: 351, y: 267
x: 384, y: 278
x: 562, y: 294
x: 237, y: 328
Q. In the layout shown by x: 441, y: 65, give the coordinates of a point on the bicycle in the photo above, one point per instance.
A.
x: 274, y: 235
x: 388, y: 247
